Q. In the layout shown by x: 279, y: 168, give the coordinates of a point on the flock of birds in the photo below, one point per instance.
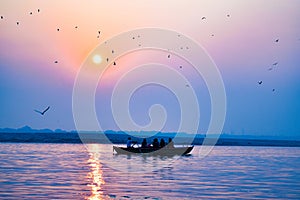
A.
x: 18, y: 23
x: 270, y: 68
x: 114, y: 63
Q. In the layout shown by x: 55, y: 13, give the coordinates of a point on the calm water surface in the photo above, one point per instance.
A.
x: 70, y: 171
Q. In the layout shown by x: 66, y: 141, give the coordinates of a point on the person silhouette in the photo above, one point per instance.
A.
x: 129, y: 143
x: 162, y: 143
x: 155, y: 143
x: 144, y: 143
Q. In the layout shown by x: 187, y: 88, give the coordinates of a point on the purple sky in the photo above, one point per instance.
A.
x: 242, y: 45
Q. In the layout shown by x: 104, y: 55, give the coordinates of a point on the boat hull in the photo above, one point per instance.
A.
x: 151, y: 151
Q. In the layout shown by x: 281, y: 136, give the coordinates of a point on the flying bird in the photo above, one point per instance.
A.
x: 180, y: 67
x: 277, y: 40
x: 259, y: 82
x: 275, y: 63
x: 115, y: 63
x: 112, y: 51
x: 18, y: 23
x: 273, y: 90
x: 1, y: 17
x: 107, y: 59
x: 56, y: 62
x: 30, y: 13
x: 169, y: 56
x: 38, y: 10
x: 42, y: 113
x: 228, y: 15
x: 203, y: 18
x: 99, y: 32
x: 76, y: 26
x: 57, y: 29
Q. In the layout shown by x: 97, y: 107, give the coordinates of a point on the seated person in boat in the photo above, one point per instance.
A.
x: 144, y: 143
x: 130, y: 143
x: 171, y: 143
x: 162, y: 143
x: 155, y: 143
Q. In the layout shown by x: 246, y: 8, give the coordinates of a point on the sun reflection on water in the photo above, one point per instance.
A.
x: 95, y: 175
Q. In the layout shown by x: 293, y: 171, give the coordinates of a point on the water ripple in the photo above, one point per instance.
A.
x: 69, y: 171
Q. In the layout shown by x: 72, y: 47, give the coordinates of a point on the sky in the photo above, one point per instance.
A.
x: 239, y: 36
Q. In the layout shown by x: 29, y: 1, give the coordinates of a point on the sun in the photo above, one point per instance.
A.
x: 97, y: 59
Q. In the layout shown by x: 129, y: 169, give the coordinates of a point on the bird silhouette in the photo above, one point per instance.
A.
x: 1, y: 17
x: 112, y: 51
x: 277, y: 40
x: 57, y: 29
x: 169, y: 56
x: 180, y: 67
x: 30, y: 13
x: 56, y: 62
x: 99, y: 32
x: 43, y: 112
x: 259, y: 82
x: 228, y: 15
x: 115, y: 63
x: 38, y: 10
x: 273, y: 90
x: 275, y: 63
x: 76, y: 26
x: 18, y: 23
x: 203, y: 18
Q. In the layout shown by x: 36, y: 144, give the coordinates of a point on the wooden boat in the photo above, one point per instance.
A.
x: 154, y: 151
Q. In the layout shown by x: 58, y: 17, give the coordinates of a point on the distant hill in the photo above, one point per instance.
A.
x: 27, y: 134
x: 25, y: 129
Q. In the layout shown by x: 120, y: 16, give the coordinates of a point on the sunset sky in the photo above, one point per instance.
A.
x: 239, y: 36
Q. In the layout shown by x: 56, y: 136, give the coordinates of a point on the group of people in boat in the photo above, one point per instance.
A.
x: 155, y: 143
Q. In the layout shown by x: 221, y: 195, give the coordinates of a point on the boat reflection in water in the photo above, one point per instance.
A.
x: 95, y: 175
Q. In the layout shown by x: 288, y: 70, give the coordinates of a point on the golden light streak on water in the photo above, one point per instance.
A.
x: 95, y: 175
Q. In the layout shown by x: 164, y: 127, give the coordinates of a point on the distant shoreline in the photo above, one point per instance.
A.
x: 117, y: 138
